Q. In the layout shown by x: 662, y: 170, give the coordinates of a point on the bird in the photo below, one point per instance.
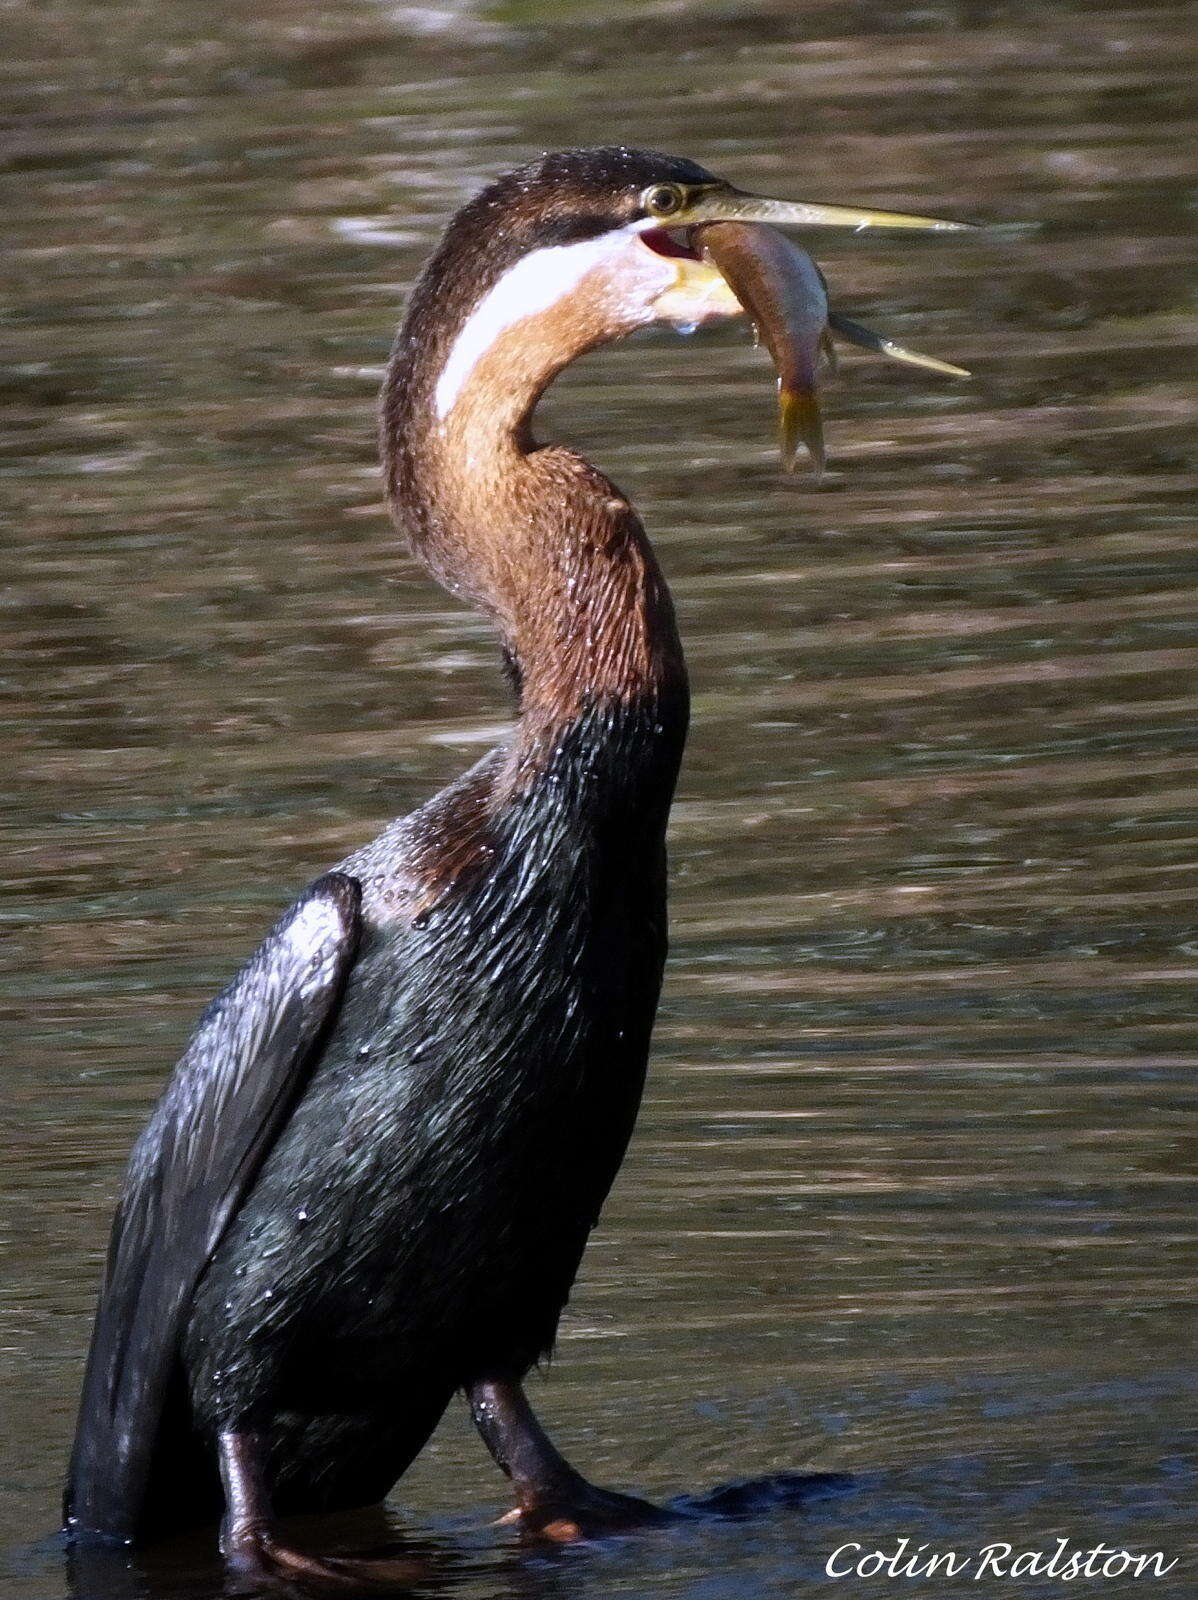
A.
x: 370, y: 1180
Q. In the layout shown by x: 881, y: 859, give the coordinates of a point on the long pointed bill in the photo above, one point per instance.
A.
x: 729, y: 205
x: 783, y: 292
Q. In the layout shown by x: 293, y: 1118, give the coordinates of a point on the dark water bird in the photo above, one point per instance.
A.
x: 372, y: 1176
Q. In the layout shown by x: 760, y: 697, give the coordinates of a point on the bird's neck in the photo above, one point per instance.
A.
x: 535, y: 537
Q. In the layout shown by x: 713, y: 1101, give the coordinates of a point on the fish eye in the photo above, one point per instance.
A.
x: 663, y: 199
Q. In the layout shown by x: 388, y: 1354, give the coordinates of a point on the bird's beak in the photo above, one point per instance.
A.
x: 734, y: 260
x: 721, y: 204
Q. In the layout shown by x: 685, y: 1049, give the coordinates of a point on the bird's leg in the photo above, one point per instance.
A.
x: 251, y: 1546
x: 552, y: 1499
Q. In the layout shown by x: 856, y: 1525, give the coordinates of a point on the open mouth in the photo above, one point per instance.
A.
x: 663, y: 243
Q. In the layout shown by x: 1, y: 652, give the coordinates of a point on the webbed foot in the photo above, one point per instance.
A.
x: 259, y: 1556
x: 579, y: 1510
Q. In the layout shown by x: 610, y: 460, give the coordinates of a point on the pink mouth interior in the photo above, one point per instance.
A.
x: 666, y: 244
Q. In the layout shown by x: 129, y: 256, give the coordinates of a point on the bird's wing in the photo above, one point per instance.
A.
x: 231, y: 1094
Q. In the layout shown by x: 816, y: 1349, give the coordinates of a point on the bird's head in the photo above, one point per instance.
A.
x: 582, y: 247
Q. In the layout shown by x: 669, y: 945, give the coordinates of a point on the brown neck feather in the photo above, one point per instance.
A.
x: 536, y: 537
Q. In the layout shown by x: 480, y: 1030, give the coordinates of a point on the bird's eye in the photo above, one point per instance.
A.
x: 663, y: 199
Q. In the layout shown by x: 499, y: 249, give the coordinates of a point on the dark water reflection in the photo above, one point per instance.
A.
x: 912, y: 1195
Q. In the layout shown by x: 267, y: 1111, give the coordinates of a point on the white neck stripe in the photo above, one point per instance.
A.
x: 535, y: 283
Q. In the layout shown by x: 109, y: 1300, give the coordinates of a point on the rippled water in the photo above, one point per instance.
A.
x: 912, y: 1194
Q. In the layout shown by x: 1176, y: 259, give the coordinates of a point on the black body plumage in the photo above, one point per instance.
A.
x: 421, y: 1215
